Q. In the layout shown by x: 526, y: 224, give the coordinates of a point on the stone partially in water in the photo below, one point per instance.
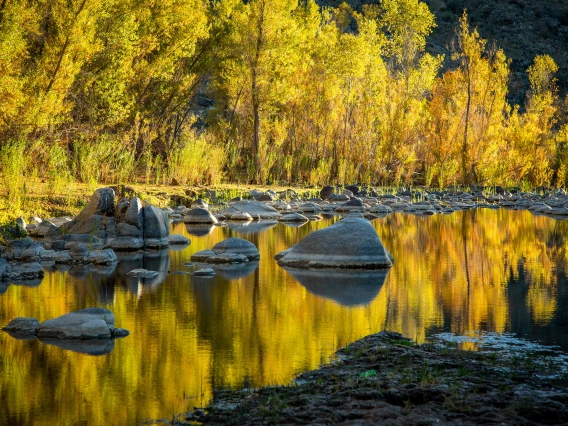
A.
x: 205, y: 272
x: 177, y: 239
x: 199, y: 216
x: 293, y: 217
x: 350, y: 243
x: 89, y: 323
x: 238, y: 246
x: 142, y: 273
x: 256, y: 209
x: 22, y: 327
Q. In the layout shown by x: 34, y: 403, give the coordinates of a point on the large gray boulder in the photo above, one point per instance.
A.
x: 89, y: 323
x: 238, y: 246
x: 126, y: 243
x: 22, y: 327
x: 326, y: 192
x: 20, y: 271
x: 156, y: 227
x: 101, y: 204
x: 133, y: 214
x: 26, y: 250
x: 256, y: 209
x: 351, y: 243
x: 199, y: 216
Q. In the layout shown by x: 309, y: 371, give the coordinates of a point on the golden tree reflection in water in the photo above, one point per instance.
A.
x: 484, y: 269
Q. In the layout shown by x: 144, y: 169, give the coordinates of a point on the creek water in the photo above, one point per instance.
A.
x: 480, y: 270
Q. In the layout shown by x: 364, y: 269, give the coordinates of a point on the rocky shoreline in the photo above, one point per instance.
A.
x: 385, y: 379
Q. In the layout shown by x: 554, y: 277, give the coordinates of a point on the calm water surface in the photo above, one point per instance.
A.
x: 502, y: 271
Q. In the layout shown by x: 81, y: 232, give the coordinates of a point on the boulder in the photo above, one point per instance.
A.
x: 89, y: 323
x: 256, y: 209
x: 326, y: 192
x: 126, y: 230
x: 142, y: 273
x: 293, y: 217
x: 238, y: 246
x: 126, y: 244
x: 265, y: 197
x: 199, y: 203
x: 353, y: 188
x: 204, y: 272
x: 351, y: 243
x: 22, y: 327
x: 23, y: 272
x: 156, y: 227
x: 178, y: 240
x: 100, y: 204
x: 21, y: 223
x: 133, y: 213
x: 202, y: 256
x: 228, y: 258
x: 199, y: 216
x: 44, y: 229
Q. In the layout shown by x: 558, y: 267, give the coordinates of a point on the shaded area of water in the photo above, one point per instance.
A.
x: 497, y: 271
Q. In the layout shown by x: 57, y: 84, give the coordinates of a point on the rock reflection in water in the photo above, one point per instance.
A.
x: 158, y: 261
x: 346, y: 287
x: 235, y: 271
x: 253, y: 227
x: 199, y: 230
x: 26, y: 283
x: 89, y: 347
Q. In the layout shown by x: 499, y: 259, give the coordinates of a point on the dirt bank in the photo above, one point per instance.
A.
x: 385, y: 379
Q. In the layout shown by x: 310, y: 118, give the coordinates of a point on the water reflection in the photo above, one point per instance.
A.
x: 493, y: 270
x: 158, y: 261
x: 235, y: 271
x: 89, y: 347
x: 348, y: 288
x: 252, y: 227
x: 199, y: 230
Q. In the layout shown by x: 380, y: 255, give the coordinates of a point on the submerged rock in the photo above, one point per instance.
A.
x: 350, y: 243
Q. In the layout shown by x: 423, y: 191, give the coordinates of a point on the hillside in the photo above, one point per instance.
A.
x: 522, y: 28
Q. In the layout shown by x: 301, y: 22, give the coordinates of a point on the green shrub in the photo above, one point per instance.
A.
x: 12, y: 167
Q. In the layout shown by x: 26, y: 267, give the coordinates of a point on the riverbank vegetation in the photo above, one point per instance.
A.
x: 264, y: 91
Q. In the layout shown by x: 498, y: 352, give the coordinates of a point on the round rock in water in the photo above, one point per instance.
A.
x: 205, y: 272
x: 199, y: 215
x: 351, y: 243
x: 142, y: 273
x: 22, y: 327
x: 239, y: 246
